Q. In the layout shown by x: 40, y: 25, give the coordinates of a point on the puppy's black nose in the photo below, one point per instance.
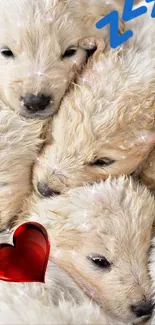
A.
x: 44, y: 190
x: 142, y: 308
x: 35, y: 103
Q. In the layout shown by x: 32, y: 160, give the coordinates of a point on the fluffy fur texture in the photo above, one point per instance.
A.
x: 58, y: 301
x: 123, y: 1
x: 35, y: 312
x: 39, y: 33
x: 107, y: 121
x: 152, y: 271
x: 112, y: 219
x: 20, y: 142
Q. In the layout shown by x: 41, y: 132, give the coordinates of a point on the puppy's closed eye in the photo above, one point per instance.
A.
x: 102, y: 162
x: 99, y: 261
x: 6, y: 52
x: 69, y: 52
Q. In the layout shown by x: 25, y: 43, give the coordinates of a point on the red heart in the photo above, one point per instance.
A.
x: 27, y: 260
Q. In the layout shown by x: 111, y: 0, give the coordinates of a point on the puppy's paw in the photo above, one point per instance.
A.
x: 88, y: 43
x: 91, y: 43
x: 94, y: 46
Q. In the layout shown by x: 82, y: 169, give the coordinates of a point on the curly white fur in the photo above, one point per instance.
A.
x: 39, y: 33
x: 113, y: 219
x: 20, y: 142
x: 110, y: 114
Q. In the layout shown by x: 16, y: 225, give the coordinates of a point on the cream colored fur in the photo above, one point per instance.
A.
x: 38, y: 32
x: 41, y: 34
x: 113, y: 219
x: 20, y: 142
x: 58, y: 301
x: 97, y: 217
x: 110, y: 114
x: 123, y: 1
x: 152, y: 271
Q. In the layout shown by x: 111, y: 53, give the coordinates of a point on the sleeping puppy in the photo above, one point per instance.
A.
x: 41, y: 48
x: 40, y: 52
x: 100, y: 236
x: 106, y: 121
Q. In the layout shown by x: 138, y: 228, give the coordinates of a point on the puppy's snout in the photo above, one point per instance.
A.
x: 142, y: 308
x: 44, y: 190
x: 35, y: 103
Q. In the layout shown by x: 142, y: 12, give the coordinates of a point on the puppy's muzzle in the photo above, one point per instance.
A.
x: 35, y: 103
x: 45, y: 191
x: 143, y: 308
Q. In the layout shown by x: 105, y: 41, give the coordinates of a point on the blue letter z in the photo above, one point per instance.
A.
x: 129, y: 13
x: 153, y: 10
x: 115, y: 38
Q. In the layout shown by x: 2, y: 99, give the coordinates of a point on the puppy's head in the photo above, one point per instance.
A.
x: 39, y: 55
x: 104, y: 127
x: 101, y: 236
x: 40, y: 52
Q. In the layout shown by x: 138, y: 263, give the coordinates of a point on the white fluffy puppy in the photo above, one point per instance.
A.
x: 100, y: 236
x: 107, y: 121
x: 40, y: 52
x: 36, y: 49
x: 39, y: 56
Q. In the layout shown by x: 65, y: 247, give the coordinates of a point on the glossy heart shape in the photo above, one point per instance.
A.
x: 26, y: 260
